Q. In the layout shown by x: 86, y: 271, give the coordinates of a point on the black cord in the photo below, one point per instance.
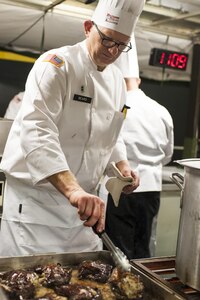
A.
x: 43, y: 36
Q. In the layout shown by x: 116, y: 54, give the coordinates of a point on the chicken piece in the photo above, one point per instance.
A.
x: 53, y: 275
x: 126, y: 285
x: 94, y: 270
x: 79, y: 292
x: 18, y: 284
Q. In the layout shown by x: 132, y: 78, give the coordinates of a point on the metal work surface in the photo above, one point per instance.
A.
x: 162, y: 272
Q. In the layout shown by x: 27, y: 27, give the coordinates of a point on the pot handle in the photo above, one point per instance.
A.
x: 179, y: 182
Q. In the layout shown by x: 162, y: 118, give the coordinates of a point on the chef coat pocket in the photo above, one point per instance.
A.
x: 61, y: 215
x: 47, y: 226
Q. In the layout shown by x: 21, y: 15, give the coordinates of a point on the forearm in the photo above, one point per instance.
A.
x: 65, y: 182
x: 91, y: 209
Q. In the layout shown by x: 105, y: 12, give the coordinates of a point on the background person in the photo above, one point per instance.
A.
x: 63, y: 138
x: 14, y: 106
x: 149, y: 139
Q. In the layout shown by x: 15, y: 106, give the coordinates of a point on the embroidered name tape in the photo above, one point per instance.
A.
x: 55, y: 60
x: 82, y: 98
x: 112, y: 19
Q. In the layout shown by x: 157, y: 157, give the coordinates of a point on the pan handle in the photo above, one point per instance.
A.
x: 179, y: 182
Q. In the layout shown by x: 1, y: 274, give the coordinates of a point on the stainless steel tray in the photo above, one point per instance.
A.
x: 10, y: 263
x: 154, y: 289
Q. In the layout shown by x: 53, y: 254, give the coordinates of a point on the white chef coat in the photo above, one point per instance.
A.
x: 149, y: 138
x: 70, y: 119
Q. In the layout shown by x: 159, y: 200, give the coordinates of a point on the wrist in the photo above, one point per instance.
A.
x: 73, y: 191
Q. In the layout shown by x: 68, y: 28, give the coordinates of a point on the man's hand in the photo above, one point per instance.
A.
x: 126, y: 171
x: 130, y: 188
x: 91, y: 209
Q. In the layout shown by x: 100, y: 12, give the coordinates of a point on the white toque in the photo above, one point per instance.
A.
x: 127, y: 62
x: 119, y: 15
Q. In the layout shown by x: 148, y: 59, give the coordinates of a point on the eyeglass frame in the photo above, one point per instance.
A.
x: 106, y: 38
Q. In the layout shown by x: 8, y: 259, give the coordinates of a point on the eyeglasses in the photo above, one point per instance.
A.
x: 109, y: 43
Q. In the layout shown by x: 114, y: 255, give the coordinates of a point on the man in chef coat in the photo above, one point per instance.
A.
x: 149, y: 138
x: 64, y: 137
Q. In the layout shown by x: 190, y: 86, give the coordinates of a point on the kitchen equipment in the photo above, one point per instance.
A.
x: 5, y: 125
x: 160, y: 279
x: 188, y: 242
x: 118, y: 256
x: 157, y: 274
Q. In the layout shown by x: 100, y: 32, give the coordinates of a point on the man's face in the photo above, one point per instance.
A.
x: 100, y: 54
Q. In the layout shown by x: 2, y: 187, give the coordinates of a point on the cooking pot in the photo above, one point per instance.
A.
x: 188, y: 242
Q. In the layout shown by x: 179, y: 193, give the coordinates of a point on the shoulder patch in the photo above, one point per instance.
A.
x: 54, y: 60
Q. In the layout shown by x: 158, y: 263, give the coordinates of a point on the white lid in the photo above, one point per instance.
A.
x: 190, y: 162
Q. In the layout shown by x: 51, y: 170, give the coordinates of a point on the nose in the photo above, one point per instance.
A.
x: 114, y: 50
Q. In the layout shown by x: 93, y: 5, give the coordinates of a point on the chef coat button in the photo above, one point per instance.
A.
x: 109, y: 116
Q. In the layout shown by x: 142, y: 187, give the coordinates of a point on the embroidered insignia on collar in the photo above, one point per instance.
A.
x: 54, y: 59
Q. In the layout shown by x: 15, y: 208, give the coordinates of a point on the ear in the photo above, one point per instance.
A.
x: 87, y: 27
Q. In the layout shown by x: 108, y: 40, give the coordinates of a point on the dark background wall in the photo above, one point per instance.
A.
x: 13, y: 76
x: 173, y: 95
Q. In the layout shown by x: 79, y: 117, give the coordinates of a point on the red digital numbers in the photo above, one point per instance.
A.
x: 173, y: 60
x: 168, y: 59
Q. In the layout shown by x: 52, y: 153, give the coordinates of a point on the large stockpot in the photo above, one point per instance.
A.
x: 188, y: 242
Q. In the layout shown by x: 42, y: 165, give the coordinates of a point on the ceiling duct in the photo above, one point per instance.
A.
x: 87, y: 1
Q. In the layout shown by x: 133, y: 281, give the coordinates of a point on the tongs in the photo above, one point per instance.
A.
x: 118, y: 256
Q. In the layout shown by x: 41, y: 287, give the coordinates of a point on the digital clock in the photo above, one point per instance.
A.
x: 168, y: 59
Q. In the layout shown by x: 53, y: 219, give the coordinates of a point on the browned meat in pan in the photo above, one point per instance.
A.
x: 126, y: 285
x: 53, y: 275
x: 94, y: 270
x: 18, y: 284
x: 79, y: 292
x: 90, y: 280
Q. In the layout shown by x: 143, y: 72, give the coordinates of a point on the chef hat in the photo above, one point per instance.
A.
x: 127, y: 62
x: 119, y: 15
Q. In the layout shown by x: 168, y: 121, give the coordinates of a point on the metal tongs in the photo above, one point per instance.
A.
x: 118, y: 256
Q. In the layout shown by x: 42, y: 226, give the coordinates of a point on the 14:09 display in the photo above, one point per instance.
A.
x: 168, y: 59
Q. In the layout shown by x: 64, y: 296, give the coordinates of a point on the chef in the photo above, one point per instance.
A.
x: 64, y: 138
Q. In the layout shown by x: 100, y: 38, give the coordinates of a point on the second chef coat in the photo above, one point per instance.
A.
x: 70, y: 119
x: 149, y: 137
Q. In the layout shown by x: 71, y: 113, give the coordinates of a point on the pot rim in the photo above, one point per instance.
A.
x: 189, y: 162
